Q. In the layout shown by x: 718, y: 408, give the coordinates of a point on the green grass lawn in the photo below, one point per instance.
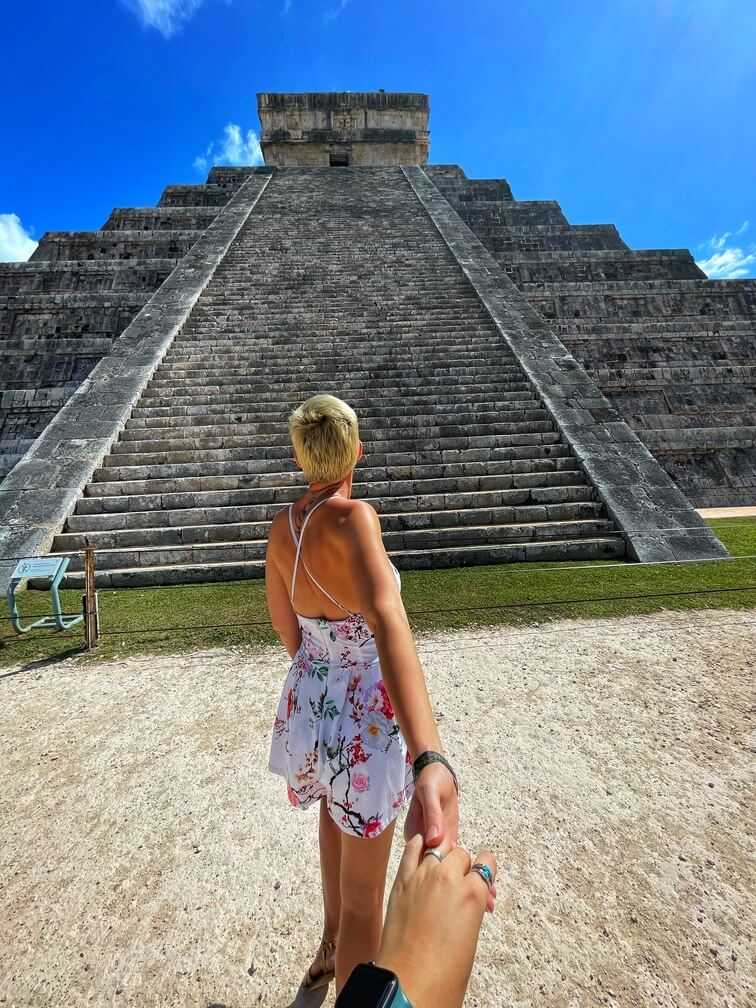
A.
x: 160, y: 620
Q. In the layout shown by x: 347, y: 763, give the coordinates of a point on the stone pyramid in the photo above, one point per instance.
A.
x: 528, y: 389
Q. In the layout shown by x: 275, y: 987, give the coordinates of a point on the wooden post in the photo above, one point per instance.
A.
x: 91, y: 615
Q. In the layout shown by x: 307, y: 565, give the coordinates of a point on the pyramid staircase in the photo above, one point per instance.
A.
x: 337, y: 282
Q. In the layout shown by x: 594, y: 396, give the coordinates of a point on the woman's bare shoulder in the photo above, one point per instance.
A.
x: 357, y: 520
x: 355, y: 511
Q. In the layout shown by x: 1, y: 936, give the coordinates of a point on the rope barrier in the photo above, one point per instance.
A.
x: 425, y: 648
x: 548, y: 603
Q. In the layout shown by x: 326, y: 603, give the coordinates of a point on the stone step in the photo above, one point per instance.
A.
x: 173, y: 376
x: 202, y: 571
x: 232, y: 352
x: 295, y: 358
x: 490, y: 453
x: 345, y: 387
x: 372, y: 482
x: 428, y: 425
x: 273, y: 446
x: 517, y: 409
x: 425, y: 332
x: 511, y: 524
x: 429, y: 538
x: 281, y: 403
x: 423, y: 407
x: 260, y: 504
x: 336, y: 324
x: 524, y: 459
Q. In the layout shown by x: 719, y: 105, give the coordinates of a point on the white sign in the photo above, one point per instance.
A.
x: 36, y: 567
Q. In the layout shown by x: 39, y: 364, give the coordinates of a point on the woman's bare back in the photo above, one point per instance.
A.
x: 325, y: 551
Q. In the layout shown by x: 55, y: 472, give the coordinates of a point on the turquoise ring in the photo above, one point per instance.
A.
x: 485, y: 873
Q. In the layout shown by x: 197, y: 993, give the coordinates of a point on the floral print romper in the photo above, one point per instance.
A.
x: 335, y: 735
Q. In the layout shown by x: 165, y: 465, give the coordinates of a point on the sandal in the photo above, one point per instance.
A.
x: 325, y: 973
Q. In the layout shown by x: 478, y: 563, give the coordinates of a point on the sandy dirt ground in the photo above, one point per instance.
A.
x: 727, y: 512
x: 147, y: 858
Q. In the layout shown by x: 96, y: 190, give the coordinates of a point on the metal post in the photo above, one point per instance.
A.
x: 91, y: 615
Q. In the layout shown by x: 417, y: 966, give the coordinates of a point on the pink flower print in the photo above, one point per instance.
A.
x: 386, y: 709
x: 360, y: 782
x: 291, y: 703
x: 379, y: 701
x: 354, y: 681
x: 372, y: 827
x: 293, y: 796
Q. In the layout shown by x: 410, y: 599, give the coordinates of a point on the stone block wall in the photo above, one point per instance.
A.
x: 674, y: 352
x: 63, y: 310
x: 315, y: 129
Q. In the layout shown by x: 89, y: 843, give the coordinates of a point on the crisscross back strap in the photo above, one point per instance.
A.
x: 298, y: 540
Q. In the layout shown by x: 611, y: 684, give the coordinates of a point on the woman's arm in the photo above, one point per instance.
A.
x: 380, y: 602
x: 282, y: 614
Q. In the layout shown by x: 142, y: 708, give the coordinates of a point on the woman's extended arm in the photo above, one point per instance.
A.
x: 380, y: 602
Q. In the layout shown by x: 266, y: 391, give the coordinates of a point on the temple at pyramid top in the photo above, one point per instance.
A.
x: 318, y: 129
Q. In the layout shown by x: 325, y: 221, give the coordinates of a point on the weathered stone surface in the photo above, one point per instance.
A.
x: 347, y: 128
x: 642, y: 497
x: 43, y: 487
x: 339, y: 281
x: 625, y: 315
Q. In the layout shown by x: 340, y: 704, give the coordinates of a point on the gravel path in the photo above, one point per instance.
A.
x: 147, y: 858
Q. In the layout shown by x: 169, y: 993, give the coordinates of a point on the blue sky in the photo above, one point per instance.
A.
x: 637, y: 112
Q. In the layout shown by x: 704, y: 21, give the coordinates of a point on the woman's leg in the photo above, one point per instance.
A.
x: 329, y: 837
x: 330, y: 871
x: 363, y: 880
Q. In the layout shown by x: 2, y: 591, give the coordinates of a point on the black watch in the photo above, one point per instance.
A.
x: 371, y: 986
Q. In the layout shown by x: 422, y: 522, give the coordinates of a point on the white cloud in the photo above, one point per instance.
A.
x: 725, y: 261
x: 235, y: 148
x: 16, y: 245
x: 729, y: 264
x: 166, y: 16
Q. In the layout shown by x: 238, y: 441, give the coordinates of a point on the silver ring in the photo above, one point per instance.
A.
x: 434, y: 852
x: 485, y: 873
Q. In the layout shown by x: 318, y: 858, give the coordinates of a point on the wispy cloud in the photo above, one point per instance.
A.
x: 16, y: 244
x: 165, y: 16
x: 334, y: 12
x: 727, y: 260
x: 234, y: 148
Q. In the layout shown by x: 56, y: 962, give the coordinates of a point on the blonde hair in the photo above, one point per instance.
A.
x: 326, y: 438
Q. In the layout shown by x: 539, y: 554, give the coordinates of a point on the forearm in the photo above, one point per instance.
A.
x: 405, y: 681
x: 291, y: 640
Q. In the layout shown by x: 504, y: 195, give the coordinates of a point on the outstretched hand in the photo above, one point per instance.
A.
x: 435, y: 908
x: 434, y: 810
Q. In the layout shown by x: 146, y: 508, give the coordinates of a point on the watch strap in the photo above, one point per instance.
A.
x: 428, y: 757
x: 400, y: 999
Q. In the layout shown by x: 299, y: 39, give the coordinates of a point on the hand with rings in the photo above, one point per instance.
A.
x: 434, y: 917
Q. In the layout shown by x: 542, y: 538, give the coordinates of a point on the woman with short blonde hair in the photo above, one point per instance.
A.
x: 354, y: 730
